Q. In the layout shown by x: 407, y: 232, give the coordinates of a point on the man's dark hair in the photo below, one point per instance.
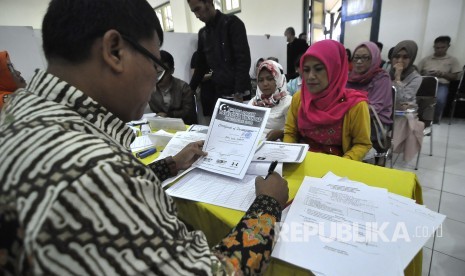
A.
x: 70, y: 27
x: 302, y: 35
x: 290, y: 30
x: 443, y: 38
x: 167, y: 58
x: 380, y: 45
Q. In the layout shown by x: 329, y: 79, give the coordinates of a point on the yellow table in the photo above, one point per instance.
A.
x: 216, y: 221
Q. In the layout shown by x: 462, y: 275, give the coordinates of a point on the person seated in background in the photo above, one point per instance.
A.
x: 271, y: 93
x: 275, y: 59
x: 349, y: 58
x: 303, y: 36
x: 368, y: 76
x: 404, y: 77
x: 325, y: 114
x: 173, y: 97
x: 77, y: 202
x: 380, y: 47
x: 388, y: 65
x: 408, y: 132
x: 10, y: 78
x: 253, y: 78
x: 443, y: 66
x: 295, y: 85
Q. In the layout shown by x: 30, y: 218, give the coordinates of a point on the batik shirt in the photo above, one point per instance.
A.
x: 74, y: 200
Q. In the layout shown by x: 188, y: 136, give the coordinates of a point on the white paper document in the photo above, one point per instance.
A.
x: 180, y: 141
x: 171, y: 124
x: 283, y: 152
x: 161, y: 138
x: 174, y: 146
x: 261, y: 168
x: 416, y: 221
x: 233, y: 136
x: 198, y: 128
x: 141, y: 143
x: 321, y: 224
x: 343, y: 227
x: 215, y: 189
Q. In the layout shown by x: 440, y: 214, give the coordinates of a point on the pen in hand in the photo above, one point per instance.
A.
x: 271, y: 169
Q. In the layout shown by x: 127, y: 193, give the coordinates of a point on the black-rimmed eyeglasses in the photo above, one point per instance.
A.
x: 157, y: 63
x: 361, y: 58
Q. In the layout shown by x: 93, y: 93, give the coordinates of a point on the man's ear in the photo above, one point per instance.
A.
x: 113, y: 50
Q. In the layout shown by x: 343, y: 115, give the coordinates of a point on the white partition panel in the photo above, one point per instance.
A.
x: 183, y: 45
x: 24, y: 49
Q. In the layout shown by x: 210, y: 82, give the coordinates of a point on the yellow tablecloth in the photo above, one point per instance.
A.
x: 216, y: 221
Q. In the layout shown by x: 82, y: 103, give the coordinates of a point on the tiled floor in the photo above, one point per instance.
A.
x: 442, y: 177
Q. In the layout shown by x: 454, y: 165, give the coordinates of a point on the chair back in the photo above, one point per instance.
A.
x: 394, y: 100
x: 426, y: 99
x: 391, y: 130
x: 461, y: 88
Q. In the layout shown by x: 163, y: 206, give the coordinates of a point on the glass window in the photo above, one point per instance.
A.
x: 355, y: 7
x: 218, y: 5
x: 231, y: 6
x: 166, y: 17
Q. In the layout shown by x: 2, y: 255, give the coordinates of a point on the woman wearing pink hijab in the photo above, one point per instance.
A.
x: 325, y: 114
x: 366, y: 75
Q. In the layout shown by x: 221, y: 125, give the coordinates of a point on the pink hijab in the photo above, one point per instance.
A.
x: 374, y: 67
x: 329, y: 106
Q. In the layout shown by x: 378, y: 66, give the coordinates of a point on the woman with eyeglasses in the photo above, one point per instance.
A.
x: 10, y: 78
x: 367, y: 75
x: 173, y: 97
x: 325, y: 114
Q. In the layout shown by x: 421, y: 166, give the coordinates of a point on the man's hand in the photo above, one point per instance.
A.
x: 274, y: 186
x: 188, y: 155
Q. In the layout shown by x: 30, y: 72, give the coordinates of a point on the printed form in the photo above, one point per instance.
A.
x: 233, y: 136
x: 327, y: 225
x: 283, y: 152
x: 216, y: 189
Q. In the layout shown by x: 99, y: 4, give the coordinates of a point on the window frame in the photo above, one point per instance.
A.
x: 162, y: 9
x: 231, y: 11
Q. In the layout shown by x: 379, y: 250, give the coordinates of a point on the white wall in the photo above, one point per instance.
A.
x: 444, y: 18
x: 419, y: 20
x: 24, y: 49
x: 401, y: 20
x: 423, y: 21
x: 271, y: 17
x: 23, y: 12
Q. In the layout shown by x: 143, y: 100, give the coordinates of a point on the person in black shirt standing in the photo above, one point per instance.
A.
x: 295, y: 48
x: 223, y: 48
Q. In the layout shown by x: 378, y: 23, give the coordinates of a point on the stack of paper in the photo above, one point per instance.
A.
x: 340, y: 227
x: 168, y: 124
x: 216, y: 189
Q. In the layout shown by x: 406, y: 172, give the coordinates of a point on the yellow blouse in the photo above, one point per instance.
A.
x: 355, y: 129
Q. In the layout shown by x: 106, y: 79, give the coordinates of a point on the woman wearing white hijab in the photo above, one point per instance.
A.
x: 271, y: 93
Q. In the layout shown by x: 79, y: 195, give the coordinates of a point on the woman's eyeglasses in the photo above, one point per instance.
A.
x: 158, y: 64
x: 361, y: 58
